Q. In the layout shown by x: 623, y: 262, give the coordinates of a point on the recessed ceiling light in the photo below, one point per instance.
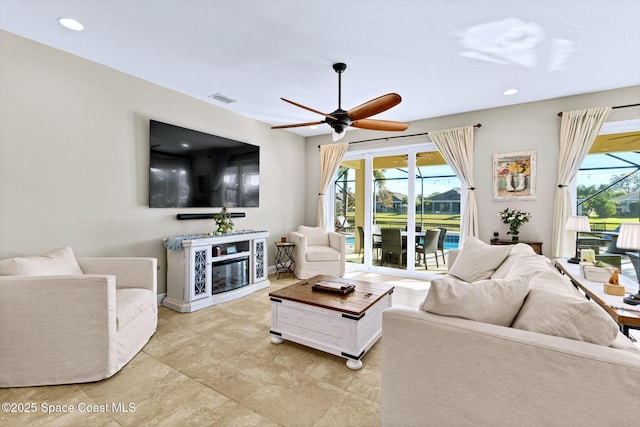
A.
x: 71, y: 24
x: 510, y: 92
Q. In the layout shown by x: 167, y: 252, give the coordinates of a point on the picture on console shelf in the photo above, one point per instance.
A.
x: 514, y: 176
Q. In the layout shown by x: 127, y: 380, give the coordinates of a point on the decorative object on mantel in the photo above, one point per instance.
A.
x: 514, y: 176
x: 577, y: 223
x: 613, y: 287
x: 223, y: 221
x: 629, y: 238
x: 514, y: 219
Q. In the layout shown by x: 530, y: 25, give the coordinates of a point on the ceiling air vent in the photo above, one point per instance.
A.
x: 222, y: 98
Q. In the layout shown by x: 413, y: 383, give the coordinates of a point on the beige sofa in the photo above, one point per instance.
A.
x: 459, y: 361
x: 65, y: 321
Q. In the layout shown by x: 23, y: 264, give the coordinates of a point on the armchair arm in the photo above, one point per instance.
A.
x: 301, y: 246
x: 54, y: 327
x: 130, y: 272
x: 337, y: 241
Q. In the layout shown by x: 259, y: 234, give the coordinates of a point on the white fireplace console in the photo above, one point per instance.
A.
x: 207, y: 270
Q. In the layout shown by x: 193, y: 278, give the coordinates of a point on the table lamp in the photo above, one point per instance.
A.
x: 578, y: 224
x: 629, y: 238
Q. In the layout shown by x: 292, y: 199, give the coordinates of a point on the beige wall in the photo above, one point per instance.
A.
x: 74, y: 159
x: 531, y: 126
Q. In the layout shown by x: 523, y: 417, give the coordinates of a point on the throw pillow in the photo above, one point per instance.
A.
x: 316, y: 236
x: 518, y: 252
x: 478, y: 260
x: 553, y: 311
x: 60, y: 261
x: 490, y: 301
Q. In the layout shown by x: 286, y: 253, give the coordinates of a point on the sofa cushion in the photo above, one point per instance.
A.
x: 57, y: 262
x: 527, y: 264
x: 316, y: 236
x: 495, y: 301
x: 518, y: 252
x: 131, y: 303
x: 321, y: 253
x: 478, y: 260
x: 550, y: 309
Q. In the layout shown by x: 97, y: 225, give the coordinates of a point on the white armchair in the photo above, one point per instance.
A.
x: 81, y: 323
x: 318, y: 251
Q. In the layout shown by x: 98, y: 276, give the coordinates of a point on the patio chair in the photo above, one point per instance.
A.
x: 341, y: 223
x: 443, y: 232
x: 430, y: 246
x: 392, y: 246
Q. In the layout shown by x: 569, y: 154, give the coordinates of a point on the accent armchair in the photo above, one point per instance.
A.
x: 318, y: 251
x: 66, y: 321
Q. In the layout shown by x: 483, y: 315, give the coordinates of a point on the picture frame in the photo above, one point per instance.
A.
x: 514, y: 176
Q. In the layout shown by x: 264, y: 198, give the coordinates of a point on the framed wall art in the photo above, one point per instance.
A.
x: 514, y: 176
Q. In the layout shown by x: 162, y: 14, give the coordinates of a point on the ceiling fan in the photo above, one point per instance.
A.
x: 357, y: 117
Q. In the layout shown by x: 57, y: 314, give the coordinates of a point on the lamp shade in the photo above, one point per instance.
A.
x: 629, y: 236
x: 578, y: 223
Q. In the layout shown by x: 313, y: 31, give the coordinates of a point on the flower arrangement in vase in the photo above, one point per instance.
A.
x: 514, y: 219
x: 223, y: 221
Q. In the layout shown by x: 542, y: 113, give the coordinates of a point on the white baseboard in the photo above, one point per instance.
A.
x: 160, y: 298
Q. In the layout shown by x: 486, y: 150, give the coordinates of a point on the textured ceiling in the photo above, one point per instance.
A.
x: 442, y: 57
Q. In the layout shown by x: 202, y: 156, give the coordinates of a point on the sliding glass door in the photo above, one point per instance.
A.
x: 387, y: 200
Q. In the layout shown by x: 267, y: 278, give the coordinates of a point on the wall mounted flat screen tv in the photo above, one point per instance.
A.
x: 188, y: 168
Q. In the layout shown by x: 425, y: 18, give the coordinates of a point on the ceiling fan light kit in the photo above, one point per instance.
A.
x: 357, y: 117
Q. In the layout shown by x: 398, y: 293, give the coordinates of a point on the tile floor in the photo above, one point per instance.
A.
x: 217, y: 367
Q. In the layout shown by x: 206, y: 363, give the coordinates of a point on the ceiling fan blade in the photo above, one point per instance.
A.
x: 375, y: 106
x: 380, y: 125
x: 309, y: 109
x: 296, y: 125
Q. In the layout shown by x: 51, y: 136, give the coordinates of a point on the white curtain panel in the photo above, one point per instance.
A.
x: 456, y: 146
x: 331, y: 156
x: 578, y: 130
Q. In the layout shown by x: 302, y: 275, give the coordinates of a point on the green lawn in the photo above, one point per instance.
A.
x: 450, y: 221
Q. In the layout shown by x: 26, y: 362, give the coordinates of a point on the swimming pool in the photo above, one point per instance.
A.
x: 450, y: 241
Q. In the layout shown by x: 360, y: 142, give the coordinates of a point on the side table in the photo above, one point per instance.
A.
x: 284, y: 258
x: 537, y: 246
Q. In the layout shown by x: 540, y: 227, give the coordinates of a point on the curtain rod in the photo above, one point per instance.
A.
x: 613, y: 108
x: 399, y: 136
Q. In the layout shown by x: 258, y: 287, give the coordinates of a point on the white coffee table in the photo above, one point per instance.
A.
x: 342, y: 325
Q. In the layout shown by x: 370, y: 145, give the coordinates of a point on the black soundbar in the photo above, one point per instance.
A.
x: 209, y: 215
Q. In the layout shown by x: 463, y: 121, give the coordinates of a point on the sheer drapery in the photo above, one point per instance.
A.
x: 331, y: 156
x: 456, y: 147
x: 578, y: 130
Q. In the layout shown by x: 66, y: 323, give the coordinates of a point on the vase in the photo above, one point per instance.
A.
x: 521, y: 178
x: 508, y: 181
x: 515, y: 238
